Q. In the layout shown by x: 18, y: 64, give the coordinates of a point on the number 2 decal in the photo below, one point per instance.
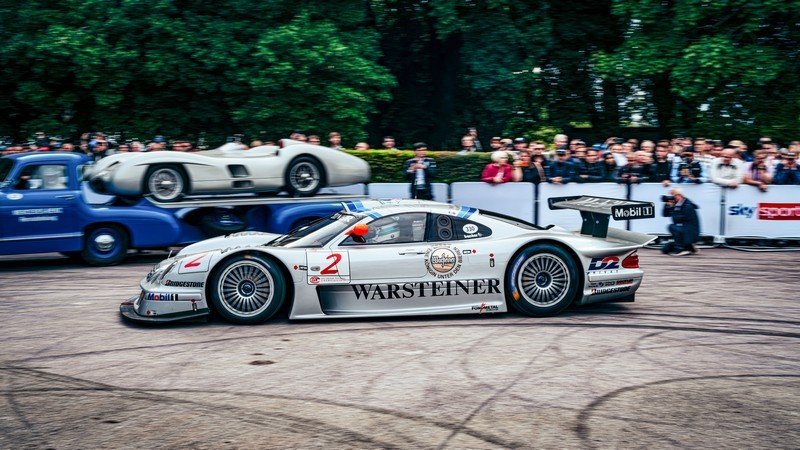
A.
x: 331, y: 270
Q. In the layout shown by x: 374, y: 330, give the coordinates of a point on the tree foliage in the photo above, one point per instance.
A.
x: 417, y: 69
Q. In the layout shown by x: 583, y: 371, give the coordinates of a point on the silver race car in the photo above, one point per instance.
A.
x: 299, y: 168
x: 402, y: 258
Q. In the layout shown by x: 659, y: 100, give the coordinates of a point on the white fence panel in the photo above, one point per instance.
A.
x: 570, y: 219
x: 707, y: 197
x: 772, y: 214
x: 403, y: 190
x: 513, y: 199
x: 350, y: 189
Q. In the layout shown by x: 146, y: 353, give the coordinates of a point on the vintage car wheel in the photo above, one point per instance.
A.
x: 247, y: 289
x: 104, y: 245
x: 304, y: 177
x: 165, y: 183
x: 542, y: 280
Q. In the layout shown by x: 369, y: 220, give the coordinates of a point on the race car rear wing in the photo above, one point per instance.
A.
x: 595, y: 211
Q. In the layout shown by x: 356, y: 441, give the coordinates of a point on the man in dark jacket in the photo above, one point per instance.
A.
x: 561, y: 170
x: 685, y: 227
x: 420, y: 170
x: 592, y: 170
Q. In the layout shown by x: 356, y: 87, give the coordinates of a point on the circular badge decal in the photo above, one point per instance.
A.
x: 443, y: 261
x: 470, y: 228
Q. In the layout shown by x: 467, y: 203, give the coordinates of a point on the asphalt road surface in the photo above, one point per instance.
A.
x: 707, y: 356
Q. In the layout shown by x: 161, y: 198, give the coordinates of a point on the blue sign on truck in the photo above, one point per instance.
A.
x: 45, y: 207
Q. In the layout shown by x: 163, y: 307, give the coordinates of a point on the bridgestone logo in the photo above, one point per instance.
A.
x: 197, y: 284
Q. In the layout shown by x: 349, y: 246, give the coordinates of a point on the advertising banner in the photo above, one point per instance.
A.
x: 707, y: 196
x: 772, y: 214
x: 350, y: 189
x: 571, y: 220
x: 513, y: 199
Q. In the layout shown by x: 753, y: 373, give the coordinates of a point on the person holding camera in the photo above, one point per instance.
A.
x: 788, y: 170
x: 757, y: 173
x: 420, y: 170
x: 685, y: 227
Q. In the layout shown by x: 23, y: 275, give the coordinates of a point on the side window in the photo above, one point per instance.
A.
x: 396, y: 229
x: 447, y: 228
x: 43, y: 177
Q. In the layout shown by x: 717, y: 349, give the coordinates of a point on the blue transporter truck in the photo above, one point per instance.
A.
x: 46, y: 207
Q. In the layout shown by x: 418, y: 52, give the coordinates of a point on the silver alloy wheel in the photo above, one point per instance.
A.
x: 544, y: 279
x: 304, y: 176
x: 165, y: 184
x: 245, y: 288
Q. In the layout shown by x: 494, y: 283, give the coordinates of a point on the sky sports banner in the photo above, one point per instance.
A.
x: 707, y: 196
x: 771, y: 214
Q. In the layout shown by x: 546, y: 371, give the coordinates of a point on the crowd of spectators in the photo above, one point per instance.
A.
x: 670, y: 161
x: 680, y: 160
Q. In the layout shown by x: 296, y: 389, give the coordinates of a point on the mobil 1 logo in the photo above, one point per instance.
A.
x: 638, y: 211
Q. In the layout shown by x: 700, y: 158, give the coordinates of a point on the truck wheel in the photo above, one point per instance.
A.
x: 247, y: 289
x: 104, y: 245
x: 165, y: 183
x: 542, y: 281
x: 304, y: 177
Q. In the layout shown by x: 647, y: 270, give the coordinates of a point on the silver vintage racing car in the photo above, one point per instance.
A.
x: 299, y: 168
x: 401, y: 258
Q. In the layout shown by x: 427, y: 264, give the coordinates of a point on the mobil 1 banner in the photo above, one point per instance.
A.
x: 635, y: 211
x: 771, y: 214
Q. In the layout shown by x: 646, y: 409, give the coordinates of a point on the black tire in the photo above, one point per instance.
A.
x: 304, y: 177
x: 247, y: 289
x: 542, y: 280
x: 104, y: 245
x: 165, y: 183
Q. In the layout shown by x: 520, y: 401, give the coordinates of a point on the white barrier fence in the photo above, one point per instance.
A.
x: 708, y: 198
x: 724, y: 213
x: 772, y: 214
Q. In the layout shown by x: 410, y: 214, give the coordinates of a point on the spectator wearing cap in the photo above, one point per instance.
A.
x: 561, y: 170
x: 786, y: 172
x: 100, y: 149
x: 757, y: 173
x: 499, y: 170
x: 420, y: 171
x: 389, y: 143
x: 335, y: 140
x: 689, y: 170
x: 727, y: 170
x: 160, y: 144
x: 473, y: 132
x: 520, y: 144
x: 495, y: 144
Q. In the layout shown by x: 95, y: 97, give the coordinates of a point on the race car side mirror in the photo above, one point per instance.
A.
x: 358, y: 232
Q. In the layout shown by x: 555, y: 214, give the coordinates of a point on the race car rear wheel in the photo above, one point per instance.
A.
x: 165, y: 183
x: 542, y: 280
x: 304, y: 177
x: 104, y: 245
x: 247, y: 289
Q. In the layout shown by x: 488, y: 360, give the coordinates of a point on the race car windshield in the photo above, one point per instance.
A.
x: 318, y: 233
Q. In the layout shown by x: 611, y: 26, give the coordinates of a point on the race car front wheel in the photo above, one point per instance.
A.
x: 104, y: 245
x: 542, y: 280
x: 247, y: 289
x: 165, y: 183
x: 304, y: 177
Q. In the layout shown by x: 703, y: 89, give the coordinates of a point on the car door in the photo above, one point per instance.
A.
x: 385, y: 268
x: 39, y: 212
